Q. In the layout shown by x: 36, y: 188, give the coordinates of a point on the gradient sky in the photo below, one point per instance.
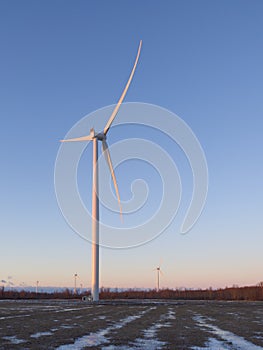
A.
x: 61, y: 60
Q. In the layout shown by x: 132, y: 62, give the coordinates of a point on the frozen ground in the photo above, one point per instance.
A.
x: 182, y: 325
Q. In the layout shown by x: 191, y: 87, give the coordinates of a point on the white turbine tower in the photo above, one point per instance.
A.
x: 95, y: 137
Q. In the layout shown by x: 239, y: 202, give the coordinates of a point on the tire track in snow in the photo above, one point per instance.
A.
x: 98, y: 338
x: 149, y: 340
x: 230, y: 340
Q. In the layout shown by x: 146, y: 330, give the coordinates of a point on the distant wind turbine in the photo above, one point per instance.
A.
x: 75, y: 283
x: 158, y: 271
x: 95, y: 137
x: 37, y: 283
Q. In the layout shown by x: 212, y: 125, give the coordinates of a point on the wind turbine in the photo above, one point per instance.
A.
x: 95, y: 137
x: 75, y: 283
x: 37, y: 284
x: 159, y: 271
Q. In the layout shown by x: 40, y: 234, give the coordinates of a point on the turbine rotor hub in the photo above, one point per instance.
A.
x: 101, y: 136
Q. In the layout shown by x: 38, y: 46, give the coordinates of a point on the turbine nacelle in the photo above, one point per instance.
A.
x: 100, y: 136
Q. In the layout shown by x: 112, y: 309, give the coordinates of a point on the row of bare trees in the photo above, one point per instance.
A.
x: 232, y: 293
x: 25, y: 294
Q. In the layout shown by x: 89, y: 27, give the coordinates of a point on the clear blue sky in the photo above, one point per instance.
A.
x: 61, y: 60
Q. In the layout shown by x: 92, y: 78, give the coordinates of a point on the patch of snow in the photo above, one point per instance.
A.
x: 98, y: 338
x: 93, y: 339
x: 258, y: 337
x: 214, y: 344
x: 236, y: 341
x: 73, y: 309
x: 149, y: 344
x: 116, y: 347
x: 40, y: 334
x: 170, y: 315
x: 48, y: 306
x: 102, y: 317
x: 13, y: 339
x: 258, y: 321
x: 149, y: 340
x: 16, y: 316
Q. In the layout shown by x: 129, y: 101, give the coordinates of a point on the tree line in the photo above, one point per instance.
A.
x: 253, y: 293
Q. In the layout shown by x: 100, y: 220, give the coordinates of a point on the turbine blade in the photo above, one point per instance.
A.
x: 83, y: 138
x: 116, y: 109
x: 107, y: 156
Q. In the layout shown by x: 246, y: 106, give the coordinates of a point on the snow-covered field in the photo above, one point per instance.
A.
x: 65, y: 325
